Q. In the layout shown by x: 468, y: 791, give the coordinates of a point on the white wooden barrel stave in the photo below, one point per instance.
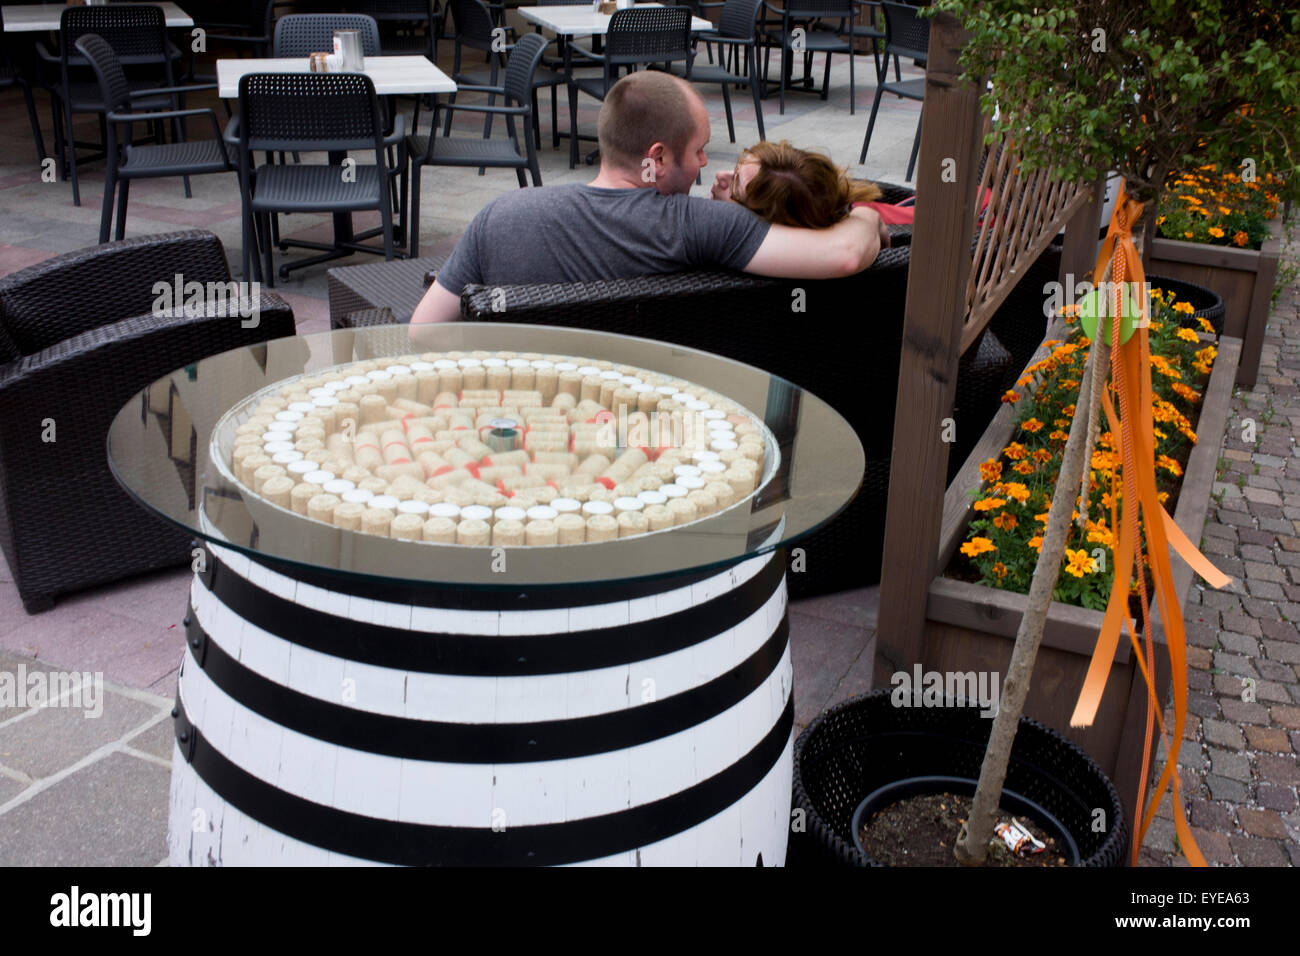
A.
x: 385, y: 787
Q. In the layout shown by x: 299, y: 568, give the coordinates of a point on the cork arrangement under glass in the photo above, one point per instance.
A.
x: 496, y: 449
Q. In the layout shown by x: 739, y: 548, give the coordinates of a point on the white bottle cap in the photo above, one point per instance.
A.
x: 566, y: 505
x: 712, y: 467
x: 444, y: 509
x: 714, y: 414
x: 320, y: 392
x: 383, y: 501
x: 413, y: 507
x: 398, y: 370
x: 561, y: 366
x: 379, y: 375
x: 275, y: 447
x: 666, y: 390
x: 476, y: 512
x: 518, y: 363
x: 652, y: 497
x: 318, y: 477
x: 337, y: 386
x: 720, y: 425
x: 353, y: 380
x: 289, y: 457
x: 288, y: 416
x: 444, y: 363
x: 609, y: 373
x: 686, y: 470
x: 629, y: 380
x: 698, y: 405
x: 325, y: 401
x: 684, y: 398
x: 690, y: 482
x: 510, y: 513
x: 588, y: 370
x: 303, y: 407
x: 276, y: 434
x: 301, y: 467
x: 339, y: 486
x: 359, y: 496
x: 597, y: 508
x: 494, y: 362
x: 542, y: 513
x: 672, y: 491
x: 626, y: 503
x: 705, y: 455
x: 422, y: 366
x: 470, y: 363
x: 722, y: 444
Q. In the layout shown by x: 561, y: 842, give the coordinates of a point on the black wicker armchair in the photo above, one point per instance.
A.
x: 79, y: 336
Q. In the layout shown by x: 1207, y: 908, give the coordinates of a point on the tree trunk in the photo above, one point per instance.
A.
x: 973, y: 843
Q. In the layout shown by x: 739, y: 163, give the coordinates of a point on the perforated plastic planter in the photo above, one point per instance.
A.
x: 865, y: 743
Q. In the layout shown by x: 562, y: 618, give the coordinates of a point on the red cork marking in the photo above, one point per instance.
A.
x: 472, y: 467
x: 501, y: 487
x: 400, y: 461
x: 460, y: 396
x: 416, y: 441
x: 659, y: 451
x: 551, y: 482
x: 441, y: 471
x: 444, y: 405
x: 486, y: 460
x: 607, y: 482
x: 392, y: 443
x: 369, y: 444
x: 405, y: 418
x: 652, y: 455
x: 572, y: 439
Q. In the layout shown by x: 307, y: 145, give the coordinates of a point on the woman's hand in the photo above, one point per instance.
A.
x: 722, y: 184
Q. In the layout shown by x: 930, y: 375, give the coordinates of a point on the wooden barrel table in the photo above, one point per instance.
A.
x: 344, y: 701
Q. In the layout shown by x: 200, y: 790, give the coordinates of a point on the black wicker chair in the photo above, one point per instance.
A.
x: 127, y: 162
x: 74, y: 354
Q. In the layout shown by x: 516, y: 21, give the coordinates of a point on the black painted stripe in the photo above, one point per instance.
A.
x: 534, y: 597
x: 485, y: 742
x: 415, y: 844
x: 479, y: 655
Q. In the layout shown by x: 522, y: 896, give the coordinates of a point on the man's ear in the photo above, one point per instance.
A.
x: 655, y: 163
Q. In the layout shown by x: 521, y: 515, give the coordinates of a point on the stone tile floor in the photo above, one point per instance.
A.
x: 94, y: 792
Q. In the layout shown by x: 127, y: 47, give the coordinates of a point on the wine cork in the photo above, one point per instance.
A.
x: 632, y: 522
x: 570, y: 529
x: 602, y: 527
x: 366, y: 451
x: 376, y: 521
x: 347, y: 515
x: 475, y: 448
x: 440, y: 530
x: 646, y: 399
x: 607, y: 389
x: 541, y: 534
x: 523, y: 376
x: 742, y: 483
x: 277, y: 490
x: 249, y: 466
x: 705, y: 503
x: 427, y: 386
x: 683, y: 510
x: 500, y: 458
x: 495, y: 473
x: 321, y: 507
x: 394, y: 472
x: 723, y: 494
x: 568, y: 383
x: 394, y: 448
x: 374, y: 408
x: 658, y: 517
x: 625, y: 504
x: 564, y: 402
x: 265, y: 474
x: 472, y: 532
x: 306, y: 445
x: 538, y: 441
x: 624, y: 400
x: 508, y: 533
x: 407, y: 527
x: 375, y: 486
x: 498, y: 377
x: 594, y: 465
x: 591, y: 385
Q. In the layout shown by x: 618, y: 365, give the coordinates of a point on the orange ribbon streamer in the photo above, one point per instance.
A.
x: 1140, y: 512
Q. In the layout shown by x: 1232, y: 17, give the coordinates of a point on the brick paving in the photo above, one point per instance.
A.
x: 1240, y: 759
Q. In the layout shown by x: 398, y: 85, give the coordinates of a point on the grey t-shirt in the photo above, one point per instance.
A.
x: 579, y: 233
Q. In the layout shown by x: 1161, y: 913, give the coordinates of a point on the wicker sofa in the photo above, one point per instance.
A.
x: 78, y: 338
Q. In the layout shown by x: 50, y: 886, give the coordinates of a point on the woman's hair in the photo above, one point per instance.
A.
x: 795, y: 187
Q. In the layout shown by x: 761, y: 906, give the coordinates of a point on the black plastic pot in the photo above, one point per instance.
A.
x: 864, y: 744
x: 1207, y: 303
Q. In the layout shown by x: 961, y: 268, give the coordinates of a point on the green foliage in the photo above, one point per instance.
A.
x: 1165, y: 87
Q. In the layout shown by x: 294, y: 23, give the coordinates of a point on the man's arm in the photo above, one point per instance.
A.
x: 438, y: 305
x: 844, y: 249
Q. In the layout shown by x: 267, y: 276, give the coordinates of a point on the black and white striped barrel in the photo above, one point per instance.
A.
x: 323, y: 719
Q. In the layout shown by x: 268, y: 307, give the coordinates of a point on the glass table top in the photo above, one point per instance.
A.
x: 171, y: 445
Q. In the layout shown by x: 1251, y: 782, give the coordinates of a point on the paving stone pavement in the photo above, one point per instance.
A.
x: 1239, y: 763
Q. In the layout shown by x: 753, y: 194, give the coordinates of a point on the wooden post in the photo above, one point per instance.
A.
x: 936, y: 308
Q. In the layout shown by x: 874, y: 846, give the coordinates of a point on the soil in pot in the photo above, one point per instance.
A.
x: 921, y: 831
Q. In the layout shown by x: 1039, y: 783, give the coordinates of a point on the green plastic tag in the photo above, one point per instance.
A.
x: 1096, y: 305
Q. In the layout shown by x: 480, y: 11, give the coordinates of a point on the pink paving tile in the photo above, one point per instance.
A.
x: 310, y: 314
x: 13, y: 258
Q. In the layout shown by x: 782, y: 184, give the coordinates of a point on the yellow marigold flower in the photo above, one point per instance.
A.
x: 1184, y: 307
x: 1025, y: 380
x: 988, y: 504
x: 1105, y: 460
x: 1068, y: 410
x: 1158, y: 433
x: 1015, y: 451
x: 1062, y: 423
x: 1169, y: 465
x: 991, y: 470
x: 1216, y: 232
x: 1042, y: 456
x: 1036, y: 542
x: 1081, y: 563
x: 1226, y: 211
x: 977, y: 546
x: 1069, y: 384
x: 1101, y: 536
x: 1007, y: 522
x: 1016, y: 490
x: 999, y: 570
x: 1031, y: 425
x: 1163, y: 497
x: 1043, y: 517
x: 1010, y: 397
x: 1240, y: 239
x: 1058, y: 435
x: 1023, y: 468
x: 1160, y: 221
x: 1186, y: 392
x: 1187, y: 335
x: 1191, y: 435
x: 1050, y: 342
x: 1187, y: 234
x: 1205, y: 324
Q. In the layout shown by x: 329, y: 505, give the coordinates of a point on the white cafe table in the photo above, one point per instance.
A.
x: 44, y: 17
x: 392, y: 75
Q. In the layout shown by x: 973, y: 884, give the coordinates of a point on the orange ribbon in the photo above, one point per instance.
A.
x: 1141, y: 510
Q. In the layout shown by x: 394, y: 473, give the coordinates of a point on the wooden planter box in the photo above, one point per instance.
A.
x: 1244, y: 277
x: 973, y: 628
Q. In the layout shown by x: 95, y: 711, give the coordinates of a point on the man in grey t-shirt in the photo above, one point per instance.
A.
x: 635, y: 218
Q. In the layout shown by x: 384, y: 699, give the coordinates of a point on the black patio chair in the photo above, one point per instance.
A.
x: 10, y: 76
x: 407, y: 27
x: 322, y: 112
x: 517, y: 89
x: 803, y: 15
x: 736, y: 31
x: 637, y: 36
x: 907, y: 34
x: 126, y: 161
x: 137, y: 33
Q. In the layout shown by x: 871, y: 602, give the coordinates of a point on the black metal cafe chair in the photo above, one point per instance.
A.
x: 336, y: 113
x: 737, y: 31
x: 907, y: 34
x: 11, y: 75
x: 516, y: 91
x: 805, y: 15
x: 125, y: 161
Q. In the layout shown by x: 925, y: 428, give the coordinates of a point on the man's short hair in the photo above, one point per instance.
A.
x: 642, y: 109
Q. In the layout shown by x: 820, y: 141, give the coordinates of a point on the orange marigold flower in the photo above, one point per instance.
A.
x: 1216, y: 232
x: 1058, y: 435
x: 991, y: 470
x: 1240, y: 239
x: 1007, y: 522
x: 1185, y: 391
x: 1185, y: 307
x: 1010, y: 396
x: 977, y: 546
x: 1014, y: 489
x: 1042, y: 456
x: 1187, y: 234
x: 988, y: 504
x: 1031, y: 425
x: 1015, y: 451
x: 1043, y: 517
x: 1036, y: 542
x: 1205, y: 324
x: 1101, y: 535
x: 1225, y: 210
x: 1080, y: 563
x: 1169, y: 465
x: 999, y: 570
x: 1023, y: 468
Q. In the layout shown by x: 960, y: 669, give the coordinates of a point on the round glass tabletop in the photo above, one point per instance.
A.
x: 173, y: 448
